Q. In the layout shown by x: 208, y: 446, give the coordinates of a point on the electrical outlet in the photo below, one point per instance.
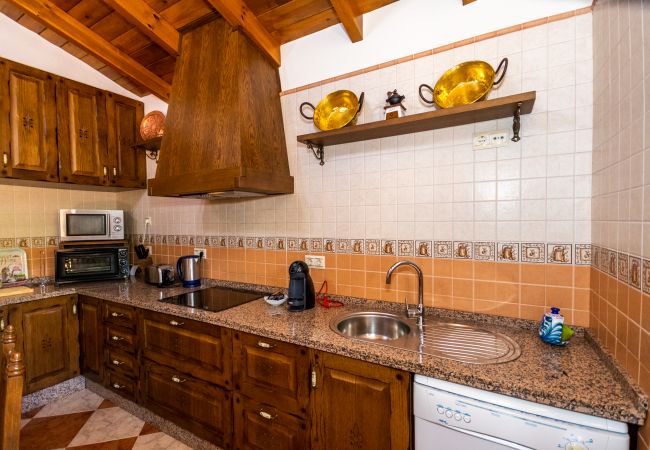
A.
x: 481, y: 140
x: 499, y: 139
x: 199, y: 250
x: 315, y: 262
x: 147, y: 221
x: 493, y: 139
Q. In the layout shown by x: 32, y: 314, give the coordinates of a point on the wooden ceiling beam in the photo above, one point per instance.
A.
x: 149, y: 22
x: 351, y: 21
x: 62, y: 23
x: 239, y: 15
x: 467, y: 2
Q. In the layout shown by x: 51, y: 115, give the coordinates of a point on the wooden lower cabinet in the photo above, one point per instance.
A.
x: 48, y: 337
x: 91, y: 338
x: 273, y: 372
x: 358, y: 405
x: 263, y: 427
x: 201, y: 349
x: 200, y: 407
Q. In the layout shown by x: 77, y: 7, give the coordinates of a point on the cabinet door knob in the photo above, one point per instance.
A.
x: 118, y: 386
x: 174, y: 323
x: 116, y: 314
x: 117, y: 362
x: 74, y: 309
x: 266, y: 415
x: 117, y: 338
x: 263, y: 344
x: 114, y: 171
x: 5, y: 159
x: 178, y: 380
x: 105, y: 170
x: 2, y: 324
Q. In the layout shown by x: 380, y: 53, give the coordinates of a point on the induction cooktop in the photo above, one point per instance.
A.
x: 213, y: 299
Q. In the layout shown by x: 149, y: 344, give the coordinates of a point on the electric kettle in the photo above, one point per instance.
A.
x: 189, y: 270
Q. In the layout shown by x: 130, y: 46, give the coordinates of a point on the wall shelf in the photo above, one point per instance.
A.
x: 498, y: 108
x: 150, y: 147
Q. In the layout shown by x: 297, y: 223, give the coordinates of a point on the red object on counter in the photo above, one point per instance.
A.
x: 324, y: 300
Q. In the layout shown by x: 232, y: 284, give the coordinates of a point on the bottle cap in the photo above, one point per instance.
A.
x: 555, y: 310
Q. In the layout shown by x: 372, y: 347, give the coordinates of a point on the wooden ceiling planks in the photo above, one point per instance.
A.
x: 281, y: 20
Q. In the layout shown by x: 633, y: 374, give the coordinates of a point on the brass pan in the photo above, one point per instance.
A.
x: 465, y: 83
x: 336, y: 110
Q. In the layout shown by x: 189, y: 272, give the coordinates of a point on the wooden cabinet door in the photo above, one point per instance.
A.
x: 358, y: 405
x: 91, y: 338
x: 81, y: 112
x: 127, y: 166
x: 48, y: 335
x: 263, y: 427
x: 200, y: 349
x: 273, y: 372
x: 28, y: 147
x: 197, y: 406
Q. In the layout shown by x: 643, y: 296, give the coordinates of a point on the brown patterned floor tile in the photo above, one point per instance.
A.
x: 31, y: 413
x: 120, y: 444
x: 148, y: 429
x: 106, y: 404
x: 52, y: 432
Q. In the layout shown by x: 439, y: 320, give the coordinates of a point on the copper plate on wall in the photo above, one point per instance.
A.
x: 466, y: 83
x: 152, y: 125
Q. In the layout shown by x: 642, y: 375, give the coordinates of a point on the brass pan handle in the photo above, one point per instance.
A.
x: 430, y: 102
x: 504, y: 64
x: 302, y: 105
x: 360, y: 102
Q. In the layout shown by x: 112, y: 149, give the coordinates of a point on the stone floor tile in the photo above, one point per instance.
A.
x: 108, y: 425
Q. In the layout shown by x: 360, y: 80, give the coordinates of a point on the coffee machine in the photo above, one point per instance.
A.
x: 301, y: 287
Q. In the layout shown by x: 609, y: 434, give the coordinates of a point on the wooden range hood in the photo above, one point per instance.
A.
x: 224, y: 133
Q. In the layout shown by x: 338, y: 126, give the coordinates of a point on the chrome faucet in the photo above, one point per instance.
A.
x: 419, y: 311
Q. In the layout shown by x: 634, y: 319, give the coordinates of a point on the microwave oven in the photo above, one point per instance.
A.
x: 91, y: 224
x: 91, y: 264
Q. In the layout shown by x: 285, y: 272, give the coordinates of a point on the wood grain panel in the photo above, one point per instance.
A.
x: 127, y: 167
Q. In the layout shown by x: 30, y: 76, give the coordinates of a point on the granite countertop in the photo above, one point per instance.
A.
x: 580, y: 377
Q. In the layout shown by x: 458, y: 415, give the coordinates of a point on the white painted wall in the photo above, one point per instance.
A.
x: 404, y: 28
x: 19, y: 44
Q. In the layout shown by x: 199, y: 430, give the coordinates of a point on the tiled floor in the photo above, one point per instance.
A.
x: 86, y: 421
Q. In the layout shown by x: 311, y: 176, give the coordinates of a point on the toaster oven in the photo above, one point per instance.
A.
x: 91, y: 264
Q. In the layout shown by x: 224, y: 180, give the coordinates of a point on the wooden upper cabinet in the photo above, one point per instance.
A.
x: 28, y: 145
x: 81, y: 111
x: 359, y: 405
x: 127, y: 166
x: 48, y: 336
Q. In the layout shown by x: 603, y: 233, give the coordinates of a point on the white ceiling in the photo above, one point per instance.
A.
x: 405, y: 28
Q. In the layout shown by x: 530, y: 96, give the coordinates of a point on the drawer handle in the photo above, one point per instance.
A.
x: 116, y: 314
x: 118, y: 386
x: 2, y: 324
x: 117, y: 338
x: 178, y: 380
x: 173, y: 323
x: 117, y: 362
x: 266, y: 415
x: 263, y: 344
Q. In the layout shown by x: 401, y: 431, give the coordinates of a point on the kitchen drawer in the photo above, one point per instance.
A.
x: 120, y: 338
x: 273, y: 372
x: 200, y: 349
x: 202, y: 408
x: 121, y: 384
x: 263, y: 427
x: 121, y: 315
x: 121, y: 361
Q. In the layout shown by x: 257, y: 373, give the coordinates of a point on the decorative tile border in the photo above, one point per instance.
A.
x: 629, y: 269
x: 529, y: 252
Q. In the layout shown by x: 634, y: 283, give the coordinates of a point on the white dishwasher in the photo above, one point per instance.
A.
x: 455, y: 417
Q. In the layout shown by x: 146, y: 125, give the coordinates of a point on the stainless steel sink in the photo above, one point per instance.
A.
x: 460, y: 342
x: 371, y: 326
